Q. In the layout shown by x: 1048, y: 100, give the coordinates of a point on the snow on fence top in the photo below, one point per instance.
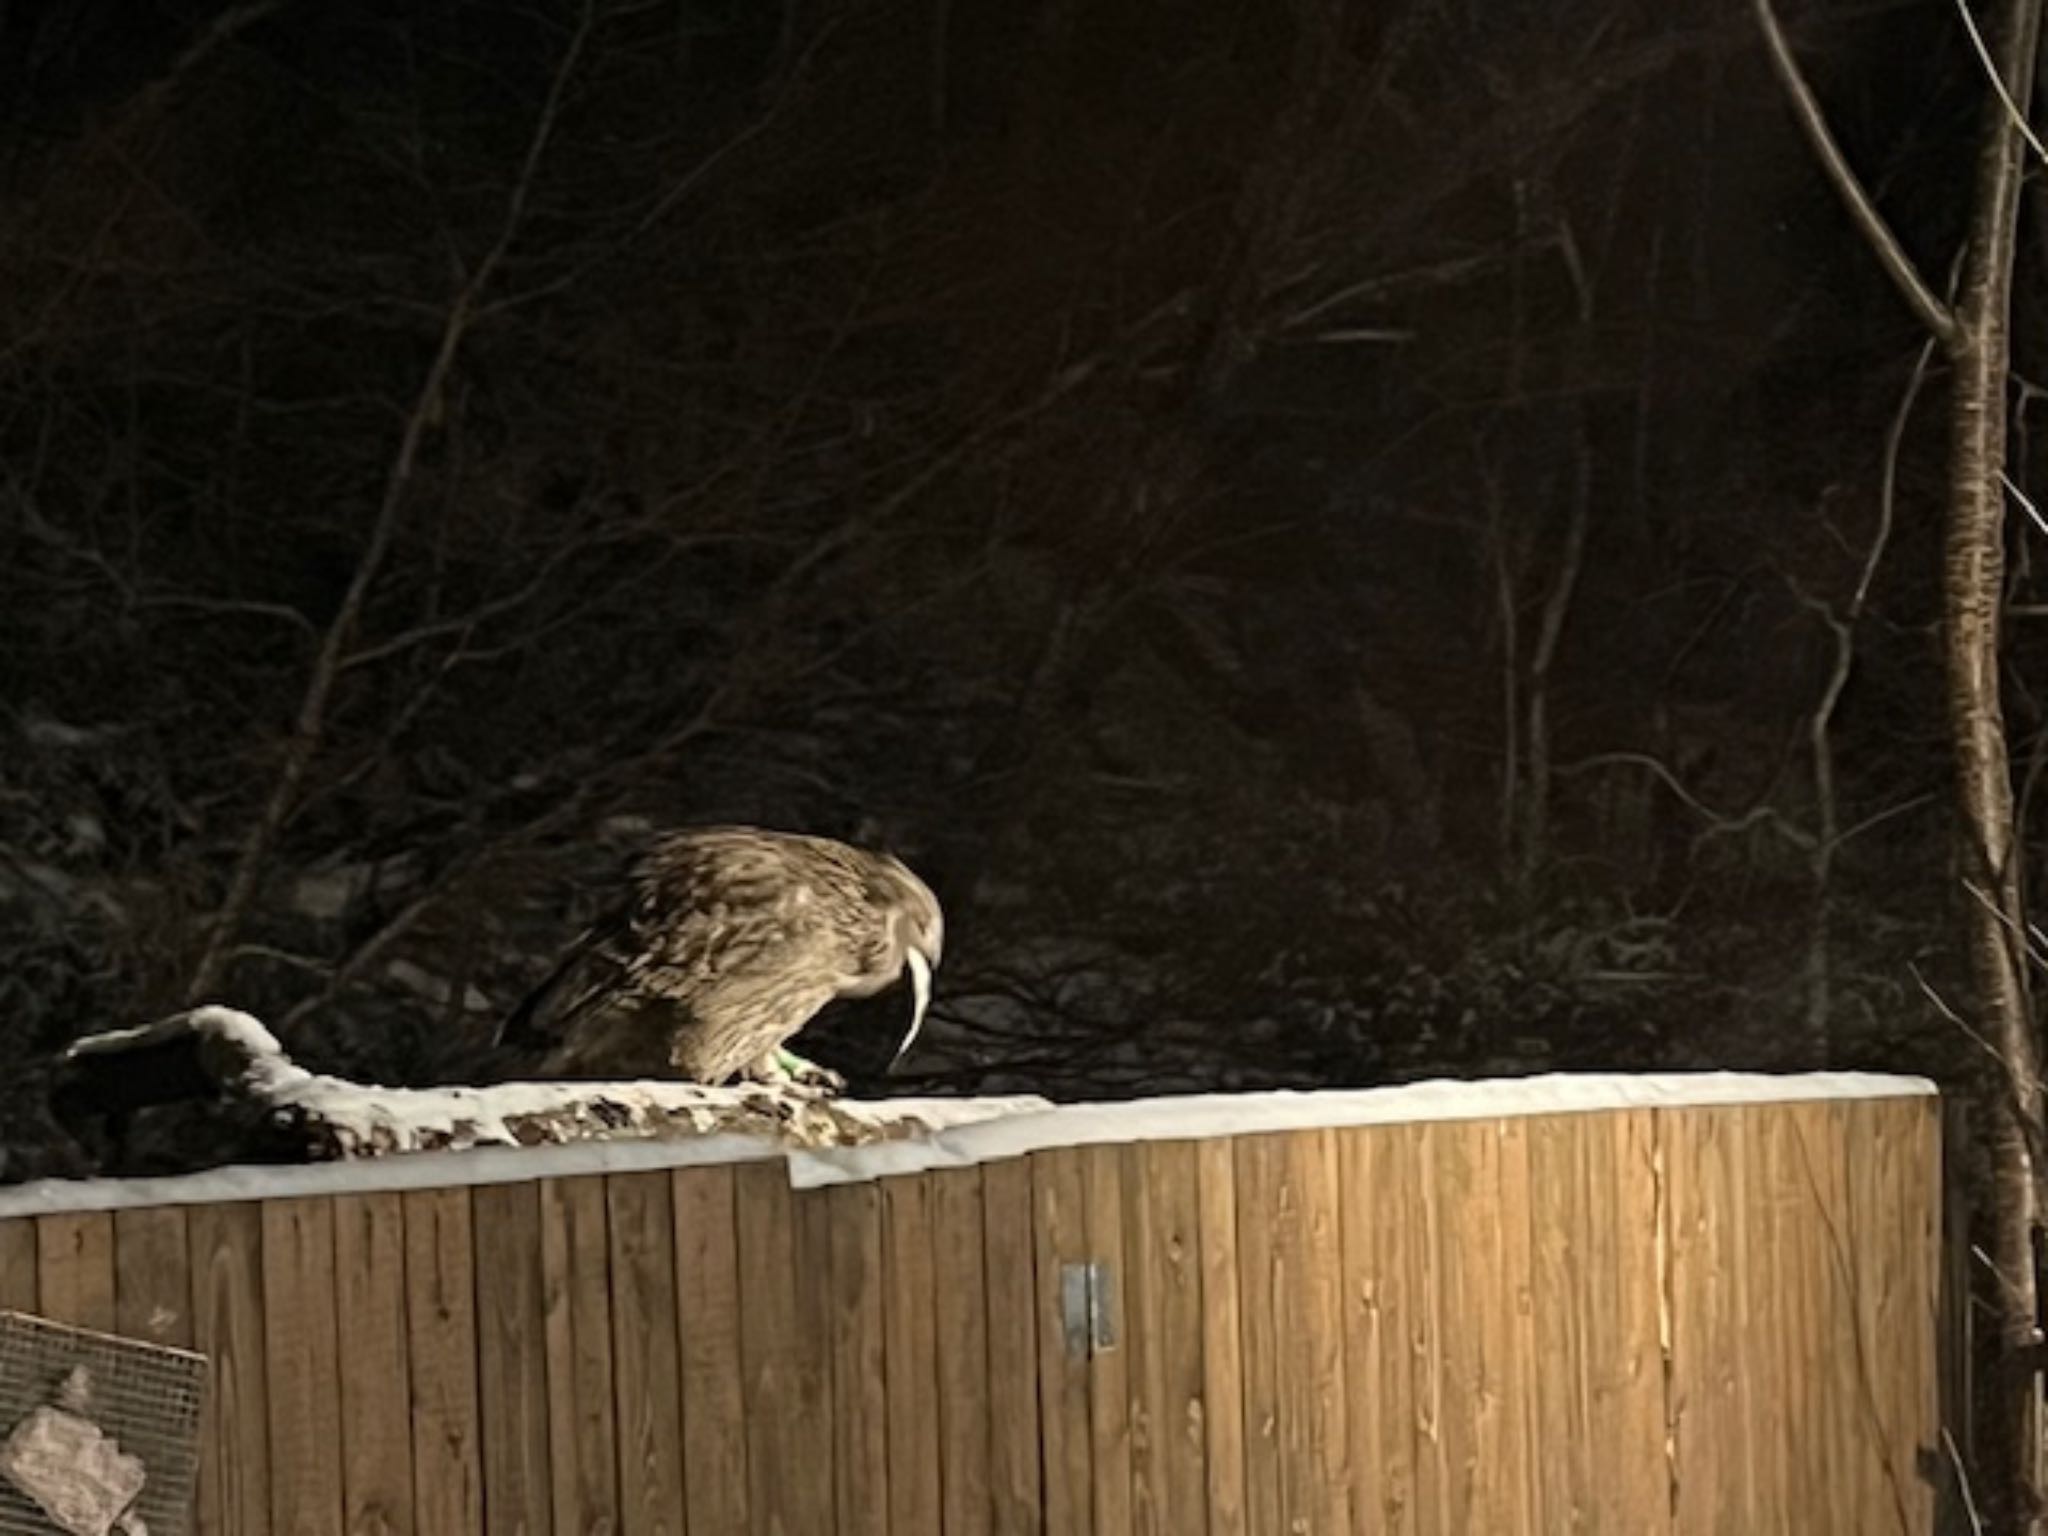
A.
x: 1202, y: 1116
x: 952, y: 1133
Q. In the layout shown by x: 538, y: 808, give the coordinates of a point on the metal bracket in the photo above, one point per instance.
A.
x: 1088, y: 1308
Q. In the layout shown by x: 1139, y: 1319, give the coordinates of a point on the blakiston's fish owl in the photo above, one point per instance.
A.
x: 727, y: 941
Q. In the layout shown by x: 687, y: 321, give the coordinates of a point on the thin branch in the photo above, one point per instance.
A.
x: 1878, y: 818
x: 2026, y: 503
x: 683, y: 186
x: 284, y: 957
x: 231, y: 606
x: 1991, y: 73
x: 466, y: 624
x: 218, y: 34
x: 1887, y: 495
x: 1939, y: 319
x: 1721, y: 823
x: 1955, y: 1460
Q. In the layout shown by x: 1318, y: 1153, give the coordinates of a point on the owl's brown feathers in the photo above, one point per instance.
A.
x: 724, y: 943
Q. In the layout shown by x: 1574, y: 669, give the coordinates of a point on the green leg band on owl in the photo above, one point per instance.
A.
x: 807, y: 1073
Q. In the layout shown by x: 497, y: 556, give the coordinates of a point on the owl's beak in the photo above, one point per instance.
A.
x: 921, y: 987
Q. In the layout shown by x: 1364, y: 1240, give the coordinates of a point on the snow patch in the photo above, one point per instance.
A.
x: 920, y: 1133
x: 1201, y: 1116
x: 590, y: 1126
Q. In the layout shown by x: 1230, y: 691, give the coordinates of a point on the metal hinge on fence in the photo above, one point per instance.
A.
x: 1088, y: 1308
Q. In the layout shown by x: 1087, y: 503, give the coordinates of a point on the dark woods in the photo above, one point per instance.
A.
x: 1347, y: 541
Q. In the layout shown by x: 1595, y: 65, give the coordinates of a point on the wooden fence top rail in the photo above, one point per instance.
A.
x: 1190, y: 1117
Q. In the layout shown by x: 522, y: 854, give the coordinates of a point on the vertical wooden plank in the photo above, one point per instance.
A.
x: 300, y: 1354
x: 911, y: 1346
x: 512, y: 1377
x: 1457, y: 1289
x: 1308, y: 1326
x: 1012, y: 1348
x: 860, y: 1406
x: 1920, y: 1195
x: 1956, y: 1380
x: 1888, y: 1172
x: 153, y: 1278
x: 575, y: 1255
x: 1882, y: 1204
x: 960, y: 1273
x: 1060, y: 1224
x: 1259, y: 1187
x: 1165, y: 1308
x: 18, y: 1265
x: 226, y: 1261
x: 1464, y: 1273
x: 1377, y: 1178
x: 1144, y: 1364
x: 1222, y: 1358
x: 75, y: 1269
x: 1877, y: 1270
x: 641, y: 1209
x: 811, y: 1219
x: 1711, y: 1353
x: 376, y: 1395
x: 1508, y: 1329
x: 153, y: 1285
x: 1563, y: 1243
x: 1918, y: 1192
x: 1417, y: 1148
x: 1284, y: 1385
x: 783, y: 1277
x: 1855, y: 1477
x: 1109, y: 1394
x: 1788, y: 1320
x: 442, y: 1348
x: 1779, y: 1206
x: 708, y: 1337
x: 1631, y: 1409
x: 152, y: 1275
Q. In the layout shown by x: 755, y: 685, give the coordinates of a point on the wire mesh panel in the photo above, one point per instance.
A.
x: 58, y: 1385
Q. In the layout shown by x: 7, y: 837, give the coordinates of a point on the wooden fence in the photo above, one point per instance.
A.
x: 1645, y: 1321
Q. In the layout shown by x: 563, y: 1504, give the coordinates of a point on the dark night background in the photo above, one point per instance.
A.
x: 1327, y: 531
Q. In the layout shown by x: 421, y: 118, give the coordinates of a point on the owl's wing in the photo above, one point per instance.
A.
x: 713, y: 917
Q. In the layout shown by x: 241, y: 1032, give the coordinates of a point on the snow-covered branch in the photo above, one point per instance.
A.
x: 334, y: 1118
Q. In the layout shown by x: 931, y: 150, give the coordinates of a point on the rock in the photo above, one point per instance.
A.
x: 77, y: 1476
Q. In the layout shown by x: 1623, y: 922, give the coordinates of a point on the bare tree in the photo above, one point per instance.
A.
x: 1974, y: 332
x: 309, y: 728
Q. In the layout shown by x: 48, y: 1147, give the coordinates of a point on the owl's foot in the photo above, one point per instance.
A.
x: 808, y: 1074
x: 781, y: 1068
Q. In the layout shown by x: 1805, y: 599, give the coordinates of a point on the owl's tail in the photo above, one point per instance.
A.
x: 534, y: 1021
x: 516, y: 1030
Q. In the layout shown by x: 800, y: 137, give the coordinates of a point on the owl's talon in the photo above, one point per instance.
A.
x: 808, y: 1074
x: 786, y: 1070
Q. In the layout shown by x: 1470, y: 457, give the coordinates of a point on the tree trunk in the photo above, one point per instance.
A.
x: 1974, y: 583
x: 1557, y: 604
x: 1975, y: 334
